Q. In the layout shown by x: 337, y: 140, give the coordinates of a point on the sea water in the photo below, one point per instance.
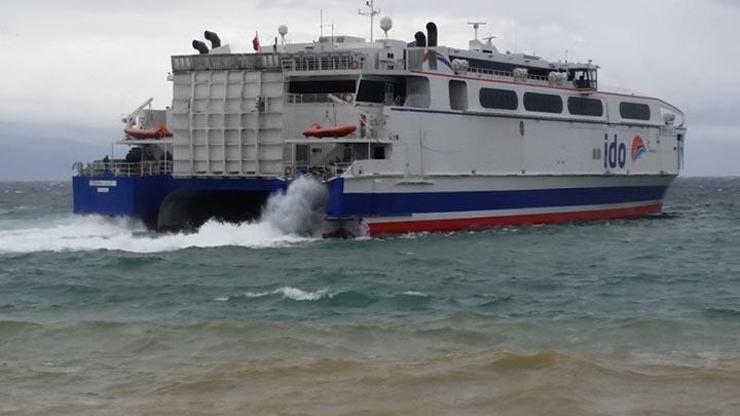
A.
x: 101, y: 316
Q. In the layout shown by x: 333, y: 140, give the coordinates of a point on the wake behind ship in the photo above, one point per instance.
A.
x: 406, y: 137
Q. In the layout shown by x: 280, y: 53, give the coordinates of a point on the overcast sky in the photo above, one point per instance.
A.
x: 86, y: 62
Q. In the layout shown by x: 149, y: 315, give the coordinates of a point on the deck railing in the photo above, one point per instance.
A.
x: 323, y: 62
x: 506, y: 74
x: 218, y: 62
x: 323, y: 171
x: 123, y: 168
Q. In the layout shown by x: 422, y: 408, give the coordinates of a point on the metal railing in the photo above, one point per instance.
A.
x: 261, y: 61
x: 506, y: 74
x: 323, y: 62
x: 319, y: 98
x: 322, y: 171
x: 123, y: 168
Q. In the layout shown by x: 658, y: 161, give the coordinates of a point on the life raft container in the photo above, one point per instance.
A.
x: 156, y: 132
x: 317, y: 130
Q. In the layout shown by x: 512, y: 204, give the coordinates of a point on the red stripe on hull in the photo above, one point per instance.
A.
x: 457, y: 224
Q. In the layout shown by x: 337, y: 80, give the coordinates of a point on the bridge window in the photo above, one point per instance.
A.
x: 543, y: 103
x: 634, y: 111
x: 458, y: 95
x: 498, y: 99
x: 371, y: 91
x: 579, y: 106
x: 391, y: 91
x: 583, y: 78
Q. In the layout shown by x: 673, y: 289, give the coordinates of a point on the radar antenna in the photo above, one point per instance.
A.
x: 327, y: 25
x: 476, y: 26
x: 372, y: 12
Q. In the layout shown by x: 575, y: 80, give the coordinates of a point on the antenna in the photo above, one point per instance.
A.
x: 372, y: 13
x: 327, y: 25
x: 476, y: 26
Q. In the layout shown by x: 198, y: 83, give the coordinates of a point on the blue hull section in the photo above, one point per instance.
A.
x: 142, y: 197
x: 357, y: 205
x: 121, y: 196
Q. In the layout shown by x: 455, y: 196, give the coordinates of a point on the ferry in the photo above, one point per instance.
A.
x: 407, y: 136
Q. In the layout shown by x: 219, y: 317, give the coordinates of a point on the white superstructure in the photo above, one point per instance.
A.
x: 434, y: 125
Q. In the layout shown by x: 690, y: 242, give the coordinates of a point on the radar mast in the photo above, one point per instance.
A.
x: 372, y: 12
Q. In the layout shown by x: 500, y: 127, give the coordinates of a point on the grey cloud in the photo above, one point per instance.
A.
x: 88, y: 61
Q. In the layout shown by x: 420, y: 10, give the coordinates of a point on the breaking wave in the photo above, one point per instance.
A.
x: 289, y: 219
x: 286, y: 292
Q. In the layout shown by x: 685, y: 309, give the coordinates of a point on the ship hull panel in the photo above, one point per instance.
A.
x: 460, y: 221
x: 142, y: 197
x: 492, y: 202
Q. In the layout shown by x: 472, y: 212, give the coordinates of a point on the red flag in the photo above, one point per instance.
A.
x: 256, y: 42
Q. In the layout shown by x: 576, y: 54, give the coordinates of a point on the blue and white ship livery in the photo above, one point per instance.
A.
x: 411, y: 137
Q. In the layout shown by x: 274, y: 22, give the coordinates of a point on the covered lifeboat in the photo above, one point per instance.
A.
x: 317, y: 130
x: 157, y: 132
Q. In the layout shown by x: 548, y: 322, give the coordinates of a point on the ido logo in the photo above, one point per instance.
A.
x: 615, y: 153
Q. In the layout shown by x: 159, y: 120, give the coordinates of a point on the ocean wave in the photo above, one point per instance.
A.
x: 99, y: 233
x: 293, y: 293
x: 8, y: 328
x: 722, y: 312
x: 286, y: 292
x: 415, y: 293
x: 522, y: 361
x: 494, y: 382
x: 348, y: 298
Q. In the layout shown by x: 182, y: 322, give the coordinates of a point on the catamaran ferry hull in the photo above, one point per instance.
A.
x: 402, y: 206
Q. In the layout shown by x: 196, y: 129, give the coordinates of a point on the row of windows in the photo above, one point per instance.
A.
x: 547, y: 103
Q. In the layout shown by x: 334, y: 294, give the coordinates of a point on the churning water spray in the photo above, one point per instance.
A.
x: 300, y: 210
x: 290, y: 218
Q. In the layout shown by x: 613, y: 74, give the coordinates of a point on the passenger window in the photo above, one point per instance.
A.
x: 579, y: 106
x: 543, y: 103
x: 634, y: 111
x: 458, y: 95
x: 418, y: 93
x: 498, y: 99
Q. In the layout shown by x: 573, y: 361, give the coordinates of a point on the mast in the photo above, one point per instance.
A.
x: 372, y: 13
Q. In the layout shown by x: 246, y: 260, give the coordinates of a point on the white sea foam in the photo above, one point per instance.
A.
x: 289, y: 219
x: 415, y: 293
x: 291, y: 293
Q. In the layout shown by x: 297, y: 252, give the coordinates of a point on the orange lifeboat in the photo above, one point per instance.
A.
x: 317, y: 130
x: 156, y: 132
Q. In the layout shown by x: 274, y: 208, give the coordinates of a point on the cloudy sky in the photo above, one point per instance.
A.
x: 86, y: 62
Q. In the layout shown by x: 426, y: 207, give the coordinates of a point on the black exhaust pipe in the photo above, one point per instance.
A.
x: 432, y: 34
x: 421, y: 40
x: 200, y: 47
x: 213, y: 38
